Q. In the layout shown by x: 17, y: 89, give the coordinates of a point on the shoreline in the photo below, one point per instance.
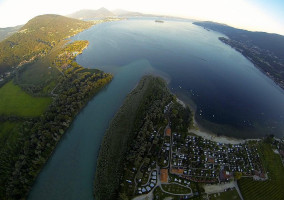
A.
x: 199, y: 131
x: 215, y: 138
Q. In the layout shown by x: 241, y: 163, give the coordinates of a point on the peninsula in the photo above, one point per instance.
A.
x: 149, y: 152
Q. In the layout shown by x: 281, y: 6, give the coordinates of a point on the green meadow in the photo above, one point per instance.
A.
x: 14, y: 101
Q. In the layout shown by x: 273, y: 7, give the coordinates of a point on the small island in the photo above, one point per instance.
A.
x: 159, y: 21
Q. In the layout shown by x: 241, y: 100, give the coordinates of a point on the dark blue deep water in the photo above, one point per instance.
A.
x: 230, y: 96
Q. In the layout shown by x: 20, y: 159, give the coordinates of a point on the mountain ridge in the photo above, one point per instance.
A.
x: 8, y: 31
x: 91, y: 14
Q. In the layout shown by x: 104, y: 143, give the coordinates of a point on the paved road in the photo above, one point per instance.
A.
x: 238, y: 189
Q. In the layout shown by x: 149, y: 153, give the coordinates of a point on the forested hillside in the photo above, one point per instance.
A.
x: 267, y: 41
x: 37, y: 38
x: 92, y: 14
x: 264, y: 50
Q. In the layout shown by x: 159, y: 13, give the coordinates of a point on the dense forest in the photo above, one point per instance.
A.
x: 27, y: 141
x: 122, y: 131
x: 129, y: 141
x: 37, y: 38
x: 34, y: 139
x: 21, y: 161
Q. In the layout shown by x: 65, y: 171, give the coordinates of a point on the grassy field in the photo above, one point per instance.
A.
x: 159, y: 194
x: 176, y: 189
x: 232, y: 195
x: 14, y: 101
x: 270, y: 189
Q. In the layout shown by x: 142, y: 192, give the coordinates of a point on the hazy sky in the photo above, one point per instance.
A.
x: 257, y: 15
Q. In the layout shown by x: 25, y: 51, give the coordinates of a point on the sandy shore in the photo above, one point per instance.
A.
x: 215, y: 138
x: 197, y: 130
x: 181, y: 102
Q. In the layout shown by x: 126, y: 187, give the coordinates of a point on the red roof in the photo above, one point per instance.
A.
x: 168, y: 132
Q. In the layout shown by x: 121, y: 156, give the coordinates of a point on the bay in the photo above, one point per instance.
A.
x: 229, y: 95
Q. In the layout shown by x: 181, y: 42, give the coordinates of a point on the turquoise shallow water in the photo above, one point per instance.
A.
x: 229, y: 93
x: 70, y: 171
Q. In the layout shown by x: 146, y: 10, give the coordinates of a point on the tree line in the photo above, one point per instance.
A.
x: 37, y: 137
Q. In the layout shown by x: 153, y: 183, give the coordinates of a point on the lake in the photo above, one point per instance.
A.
x: 229, y: 95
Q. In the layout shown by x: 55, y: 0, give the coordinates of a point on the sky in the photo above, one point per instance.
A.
x: 254, y: 15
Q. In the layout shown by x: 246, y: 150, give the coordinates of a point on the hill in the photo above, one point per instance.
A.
x: 125, y: 13
x: 267, y: 41
x: 92, y: 14
x: 37, y: 38
x: 6, y: 32
x: 264, y: 50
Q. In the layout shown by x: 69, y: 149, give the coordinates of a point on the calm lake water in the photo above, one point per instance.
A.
x: 231, y: 97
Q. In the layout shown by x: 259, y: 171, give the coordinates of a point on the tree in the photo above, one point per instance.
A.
x: 123, y: 196
x: 238, y: 175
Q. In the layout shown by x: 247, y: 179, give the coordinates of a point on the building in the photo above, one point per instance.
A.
x: 177, y: 171
x: 168, y: 131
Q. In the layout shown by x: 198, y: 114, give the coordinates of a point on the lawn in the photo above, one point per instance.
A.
x: 14, y: 101
x: 232, y: 195
x: 159, y: 194
x: 270, y: 189
x: 176, y: 189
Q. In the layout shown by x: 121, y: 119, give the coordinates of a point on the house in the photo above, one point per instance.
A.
x: 225, y: 175
x: 211, y: 160
x: 168, y: 131
x: 177, y: 171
